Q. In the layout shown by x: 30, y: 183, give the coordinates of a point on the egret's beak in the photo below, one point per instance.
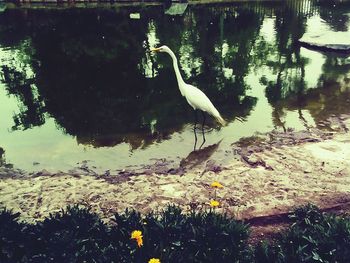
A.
x: 155, y: 49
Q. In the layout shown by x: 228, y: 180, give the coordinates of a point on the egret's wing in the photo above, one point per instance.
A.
x: 197, y: 99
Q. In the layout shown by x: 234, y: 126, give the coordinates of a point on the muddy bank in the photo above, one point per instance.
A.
x: 268, y: 177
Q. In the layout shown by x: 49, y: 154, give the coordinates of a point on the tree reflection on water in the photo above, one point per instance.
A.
x: 91, y: 70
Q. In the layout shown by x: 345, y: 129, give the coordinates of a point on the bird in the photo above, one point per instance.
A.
x: 194, y: 96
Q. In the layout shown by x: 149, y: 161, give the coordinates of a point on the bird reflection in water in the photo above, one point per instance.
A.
x: 199, y: 157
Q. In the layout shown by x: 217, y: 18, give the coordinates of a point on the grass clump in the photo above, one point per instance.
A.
x: 196, y: 237
x: 177, y: 237
x: 74, y: 235
x: 12, y: 239
x: 78, y: 235
x: 312, y: 237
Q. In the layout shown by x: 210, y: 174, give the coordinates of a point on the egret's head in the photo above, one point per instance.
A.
x: 161, y: 49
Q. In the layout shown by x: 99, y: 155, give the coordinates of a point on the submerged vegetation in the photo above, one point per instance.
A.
x: 77, y: 235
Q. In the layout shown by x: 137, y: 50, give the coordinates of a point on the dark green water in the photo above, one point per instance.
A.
x: 80, y: 84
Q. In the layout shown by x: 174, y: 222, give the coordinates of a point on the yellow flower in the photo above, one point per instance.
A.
x: 214, y: 203
x: 216, y: 185
x: 154, y: 260
x: 137, y: 235
x: 139, y: 242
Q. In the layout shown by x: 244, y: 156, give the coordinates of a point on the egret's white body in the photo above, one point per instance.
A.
x: 194, y: 96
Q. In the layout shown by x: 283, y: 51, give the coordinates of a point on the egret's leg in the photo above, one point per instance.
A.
x: 203, y: 134
x: 203, y: 113
x: 195, y: 140
x: 194, y: 130
x: 195, y: 119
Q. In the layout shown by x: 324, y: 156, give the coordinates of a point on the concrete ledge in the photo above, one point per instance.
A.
x: 330, y: 41
x: 138, y: 2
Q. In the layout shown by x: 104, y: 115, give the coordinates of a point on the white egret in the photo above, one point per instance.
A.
x: 194, y: 96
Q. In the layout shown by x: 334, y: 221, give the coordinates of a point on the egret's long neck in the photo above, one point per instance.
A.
x: 180, y: 81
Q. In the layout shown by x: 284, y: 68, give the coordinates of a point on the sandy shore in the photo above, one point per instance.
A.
x: 268, y: 178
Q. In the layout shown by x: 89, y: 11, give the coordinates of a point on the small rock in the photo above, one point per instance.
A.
x: 307, y: 171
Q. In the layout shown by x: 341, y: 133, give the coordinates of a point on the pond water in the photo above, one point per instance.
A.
x: 79, y: 85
